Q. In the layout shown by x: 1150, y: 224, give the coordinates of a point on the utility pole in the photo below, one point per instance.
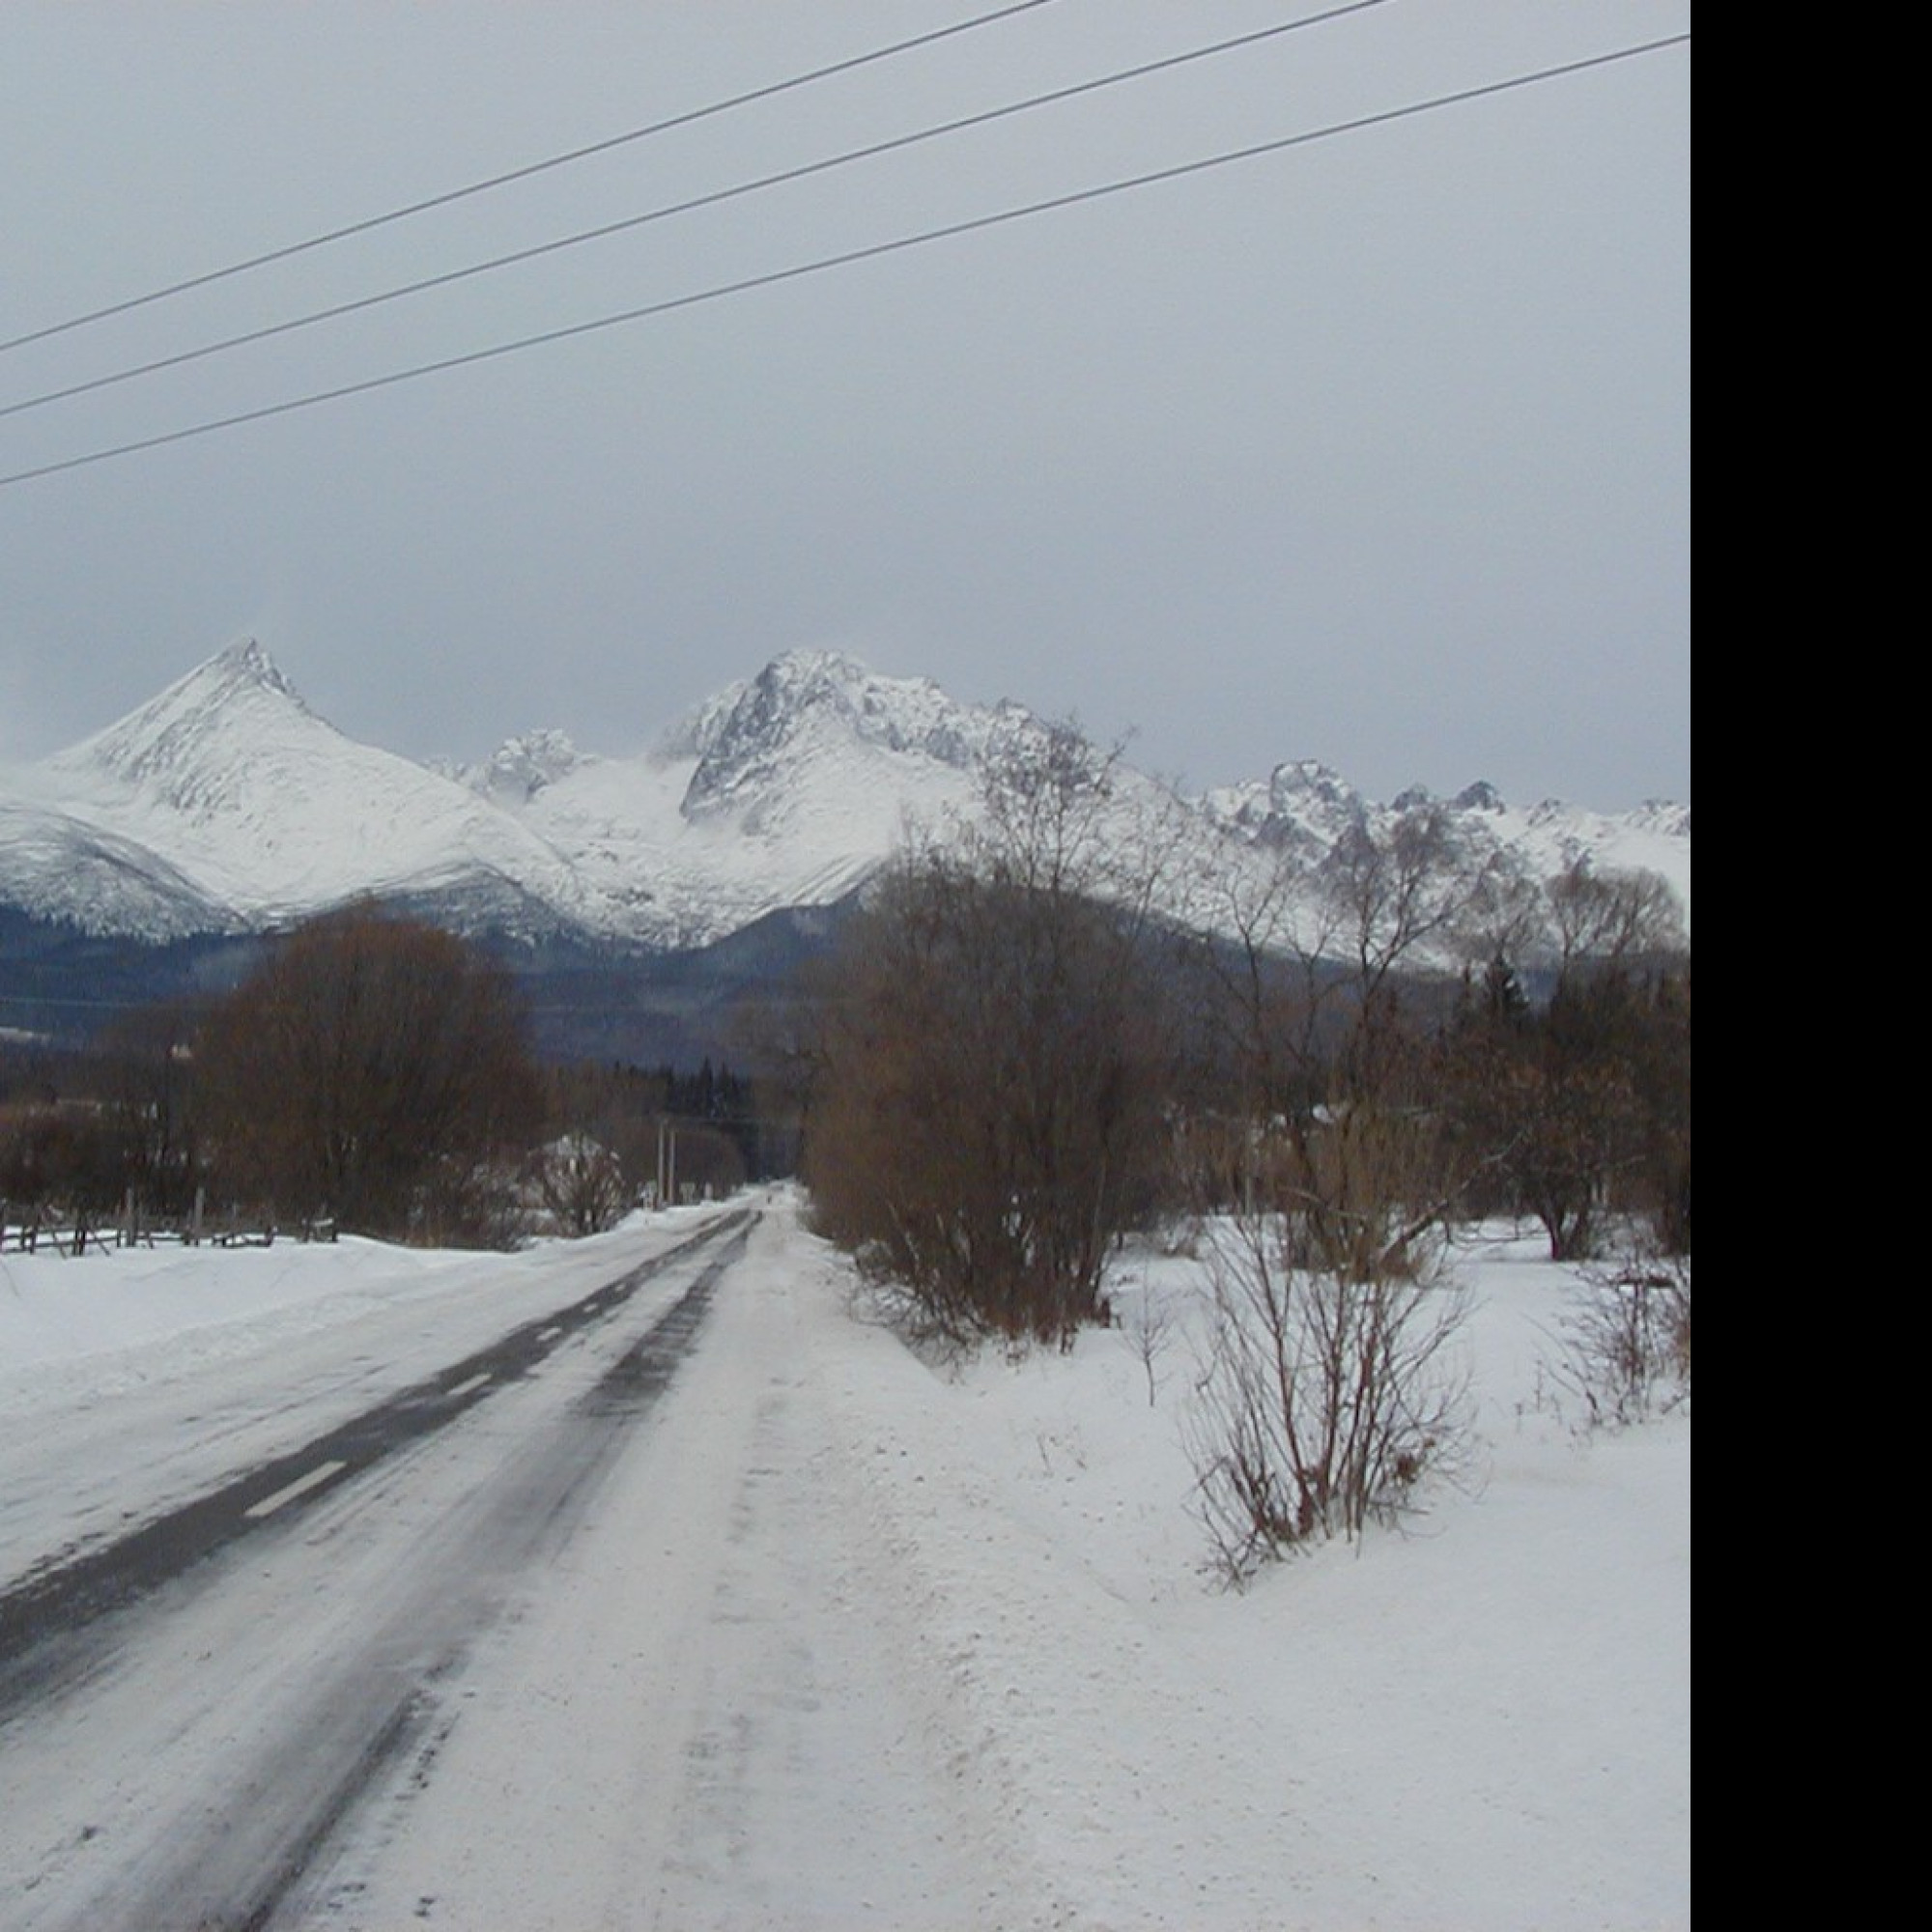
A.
x: 667, y: 1164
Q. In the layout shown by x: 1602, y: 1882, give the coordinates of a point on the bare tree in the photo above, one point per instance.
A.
x: 374, y: 1071
x: 985, y: 1119
x: 65, y: 1165
x: 147, y: 1080
x: 1324, y: 940
x: 987, y: 1122
x: 1328, y: 1389
x: 1612, y: 918
x: 1584, y: 1103
x: 1148, y: 1322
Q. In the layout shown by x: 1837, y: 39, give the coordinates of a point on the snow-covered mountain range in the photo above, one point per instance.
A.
x: 225, y: 806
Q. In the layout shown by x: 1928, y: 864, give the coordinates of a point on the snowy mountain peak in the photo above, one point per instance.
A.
x: 246, y: 661
x: 899, y: 713
x: 170, y: 746
x: 225, y: 803
x: 1298, y: 801
x: 242, y: 672
x: 1310, y: 777
x: 1662, y: 815
x: 519, y: 767
x: 256, y: 811
x: 814, y: 704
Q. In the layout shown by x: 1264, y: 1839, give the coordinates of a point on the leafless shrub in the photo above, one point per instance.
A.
x: 1626, y: 1340
x: 580, y: 1184
x: 1326, y: 1395
x: 472, y: 1204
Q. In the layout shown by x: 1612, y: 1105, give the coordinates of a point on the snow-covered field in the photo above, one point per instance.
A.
x: 843, y: 1639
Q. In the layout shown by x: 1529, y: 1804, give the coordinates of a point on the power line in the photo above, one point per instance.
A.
x: 603, y: 231
x: 847, y: 258
x: 605, y: 146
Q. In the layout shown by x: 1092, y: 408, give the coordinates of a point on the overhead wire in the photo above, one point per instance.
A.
x: 690, y: 116
x: 846, y: 258
x: 871, y: 152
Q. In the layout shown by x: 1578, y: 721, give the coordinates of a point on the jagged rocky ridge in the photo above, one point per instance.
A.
x: 225, y: 806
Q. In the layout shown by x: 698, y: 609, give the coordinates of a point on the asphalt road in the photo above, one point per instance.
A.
x: 190, y: 1709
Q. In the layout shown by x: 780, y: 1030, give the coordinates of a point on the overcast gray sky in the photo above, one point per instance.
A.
x: 1375, y: 450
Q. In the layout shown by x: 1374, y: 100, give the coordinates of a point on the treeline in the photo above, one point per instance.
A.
x: 1013, y: 1063
x: 1578, y: 1112
x: 372, y: 1074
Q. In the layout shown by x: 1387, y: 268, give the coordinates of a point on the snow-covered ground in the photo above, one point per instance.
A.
x: 844, y: 1639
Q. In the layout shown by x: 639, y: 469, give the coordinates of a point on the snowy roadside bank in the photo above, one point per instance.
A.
x: 133, y: 1379
x: 97, y: 1322
x: 1485, y: 1720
